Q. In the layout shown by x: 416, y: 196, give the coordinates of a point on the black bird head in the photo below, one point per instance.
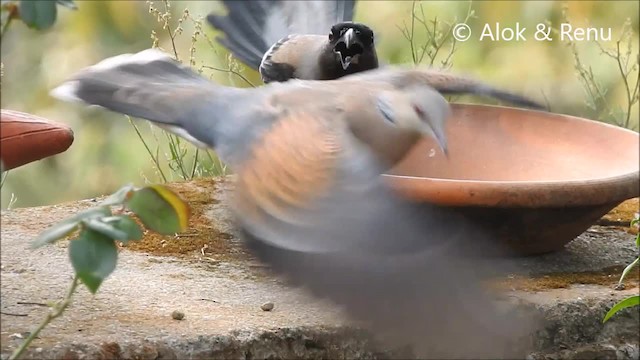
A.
x: 352, y: 43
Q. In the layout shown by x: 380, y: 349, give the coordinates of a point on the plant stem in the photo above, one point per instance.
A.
x: 154, y: 158
x: 230, y: 71
x: 11, y: 10
x: 167, y: 8
x: 177, y: 156
x: 195, y: 164
x: 4, y: 178
x: 54, y: 312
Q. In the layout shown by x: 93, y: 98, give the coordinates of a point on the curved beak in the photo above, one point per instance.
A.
x: 439, y: 135
x: 442, y: 142
x: 348, y: 39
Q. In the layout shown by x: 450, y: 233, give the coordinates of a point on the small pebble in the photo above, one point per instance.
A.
x: 268, y: 306
x: 177, y: 315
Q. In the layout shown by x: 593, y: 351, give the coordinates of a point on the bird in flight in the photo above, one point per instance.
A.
x: 312, y: 40
x: 309, y: 198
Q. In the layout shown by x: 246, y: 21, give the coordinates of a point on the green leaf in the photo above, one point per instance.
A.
x: 627, y: 269
x: 54, y: 234
x: 93, y: 212
x: 628, y: 302
x: 38, y: 14
x: 66, y: 227
x: 68, y: 4
x: 160, y: 209
x: 119, y: 197
x: 94, y: 257
x: 126, y: 224
x: 105, y: 229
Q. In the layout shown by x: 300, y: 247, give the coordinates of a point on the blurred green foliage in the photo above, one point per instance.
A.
x: 108, y: 152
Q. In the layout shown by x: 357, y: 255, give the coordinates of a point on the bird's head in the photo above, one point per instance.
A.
x: 418, y: 108
x: 349, y: 41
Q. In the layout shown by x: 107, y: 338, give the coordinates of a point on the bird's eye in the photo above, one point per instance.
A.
x: 330, y: 36
x: 418, y: 111
x: 386, y: 111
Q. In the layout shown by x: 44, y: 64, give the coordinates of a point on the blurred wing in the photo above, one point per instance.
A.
x: 312, y: 205
x: 243, y: 28
x: 309, y: 186
x: 315, y: 17
x: 251, y: 27
x: 153, y: 86
x: 445, y: 82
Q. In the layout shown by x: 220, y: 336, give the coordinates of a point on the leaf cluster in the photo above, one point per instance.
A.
x: 93, y: 252
x: 36, y: 14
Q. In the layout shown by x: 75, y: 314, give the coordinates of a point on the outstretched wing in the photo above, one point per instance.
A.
x: 251, y: 27
x: 445, y: 82
x: 151, y: 85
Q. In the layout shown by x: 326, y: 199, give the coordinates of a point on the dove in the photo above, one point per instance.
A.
x: 312, y: 40
x: 309, y: 198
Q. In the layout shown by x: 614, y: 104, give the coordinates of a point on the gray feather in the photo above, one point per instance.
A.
x: 251, y: 27
x: 416, y: 282
x: 409, y: 272
x: 153, y: 86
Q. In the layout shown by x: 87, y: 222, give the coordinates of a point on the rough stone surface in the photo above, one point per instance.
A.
x: 130, y: 317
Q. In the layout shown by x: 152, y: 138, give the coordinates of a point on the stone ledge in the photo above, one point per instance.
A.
x: 220, y: 289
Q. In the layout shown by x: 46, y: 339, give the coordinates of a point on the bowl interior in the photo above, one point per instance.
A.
x: 491, y: 143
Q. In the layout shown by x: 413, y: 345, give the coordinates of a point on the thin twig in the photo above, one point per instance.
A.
x: 55, y: 312
x: 4, y: 178
x: 32, y: 303
x: 222, y: 168
x: 230, y: 71
x: 177, y: 155
x: 167, y: 8
x: 12, y: 314
x: 210, y: 300
x: 624, y: 72
x: 195, y: 163
x: 153, y: 158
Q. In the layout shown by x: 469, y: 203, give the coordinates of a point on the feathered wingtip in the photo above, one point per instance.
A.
x: 448, y: 83
x: 68, y: 90
x: 143, y: 85
x: 142, y: 57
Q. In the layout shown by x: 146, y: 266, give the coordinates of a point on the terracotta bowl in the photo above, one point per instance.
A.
x: 26, y: 138
x: 535, y: 179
